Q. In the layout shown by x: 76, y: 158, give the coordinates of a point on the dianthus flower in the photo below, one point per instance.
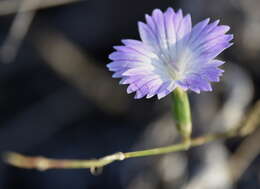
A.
x: 171, y: 54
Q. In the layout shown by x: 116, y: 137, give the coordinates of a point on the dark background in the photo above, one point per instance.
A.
x: 57, y: 99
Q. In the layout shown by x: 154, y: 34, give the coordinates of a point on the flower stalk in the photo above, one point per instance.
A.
x: 42, y: 163
x: 182, y: 114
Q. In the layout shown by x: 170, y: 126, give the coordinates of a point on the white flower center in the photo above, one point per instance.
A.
x: 178, y: 65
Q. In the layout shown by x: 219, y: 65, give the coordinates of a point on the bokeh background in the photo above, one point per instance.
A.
x: 57, y: 99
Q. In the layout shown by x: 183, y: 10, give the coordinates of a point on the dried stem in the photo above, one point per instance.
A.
x: 25, y: 11
x: 11, y: 6
x: 249, y: 148
x: 42, y: 163
x: 18, y: 30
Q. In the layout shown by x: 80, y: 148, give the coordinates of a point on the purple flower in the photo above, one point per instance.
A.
x: 171, y: 54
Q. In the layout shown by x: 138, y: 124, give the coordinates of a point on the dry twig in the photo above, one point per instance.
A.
x: 18, y: 30
x: 250, y: 147
x: 11, y: 6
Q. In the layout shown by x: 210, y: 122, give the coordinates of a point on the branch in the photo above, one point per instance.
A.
x: 11, y: 6
x: 42, y: 163
x: 26, y: 10
x: 18, y: 30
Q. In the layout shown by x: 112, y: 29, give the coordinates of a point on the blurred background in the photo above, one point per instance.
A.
x: 57, y: 99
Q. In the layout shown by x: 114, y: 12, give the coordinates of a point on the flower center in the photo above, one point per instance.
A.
x: 174, y: 70
x: 178, y: 65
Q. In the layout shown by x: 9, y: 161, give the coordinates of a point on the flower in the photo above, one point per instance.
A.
x: 171, y: 54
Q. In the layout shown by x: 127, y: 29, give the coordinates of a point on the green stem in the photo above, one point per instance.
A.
x: 182, y: 114
x: 156, y: 151
x: 182, y: 146
x: 42, y: 163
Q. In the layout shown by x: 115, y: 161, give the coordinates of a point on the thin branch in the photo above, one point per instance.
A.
x: 11, y: 6
x: 26, y: 10
x: 244, y: 156
x: 248, y: 149
x: 18, y: 29
x: 42, y: 163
